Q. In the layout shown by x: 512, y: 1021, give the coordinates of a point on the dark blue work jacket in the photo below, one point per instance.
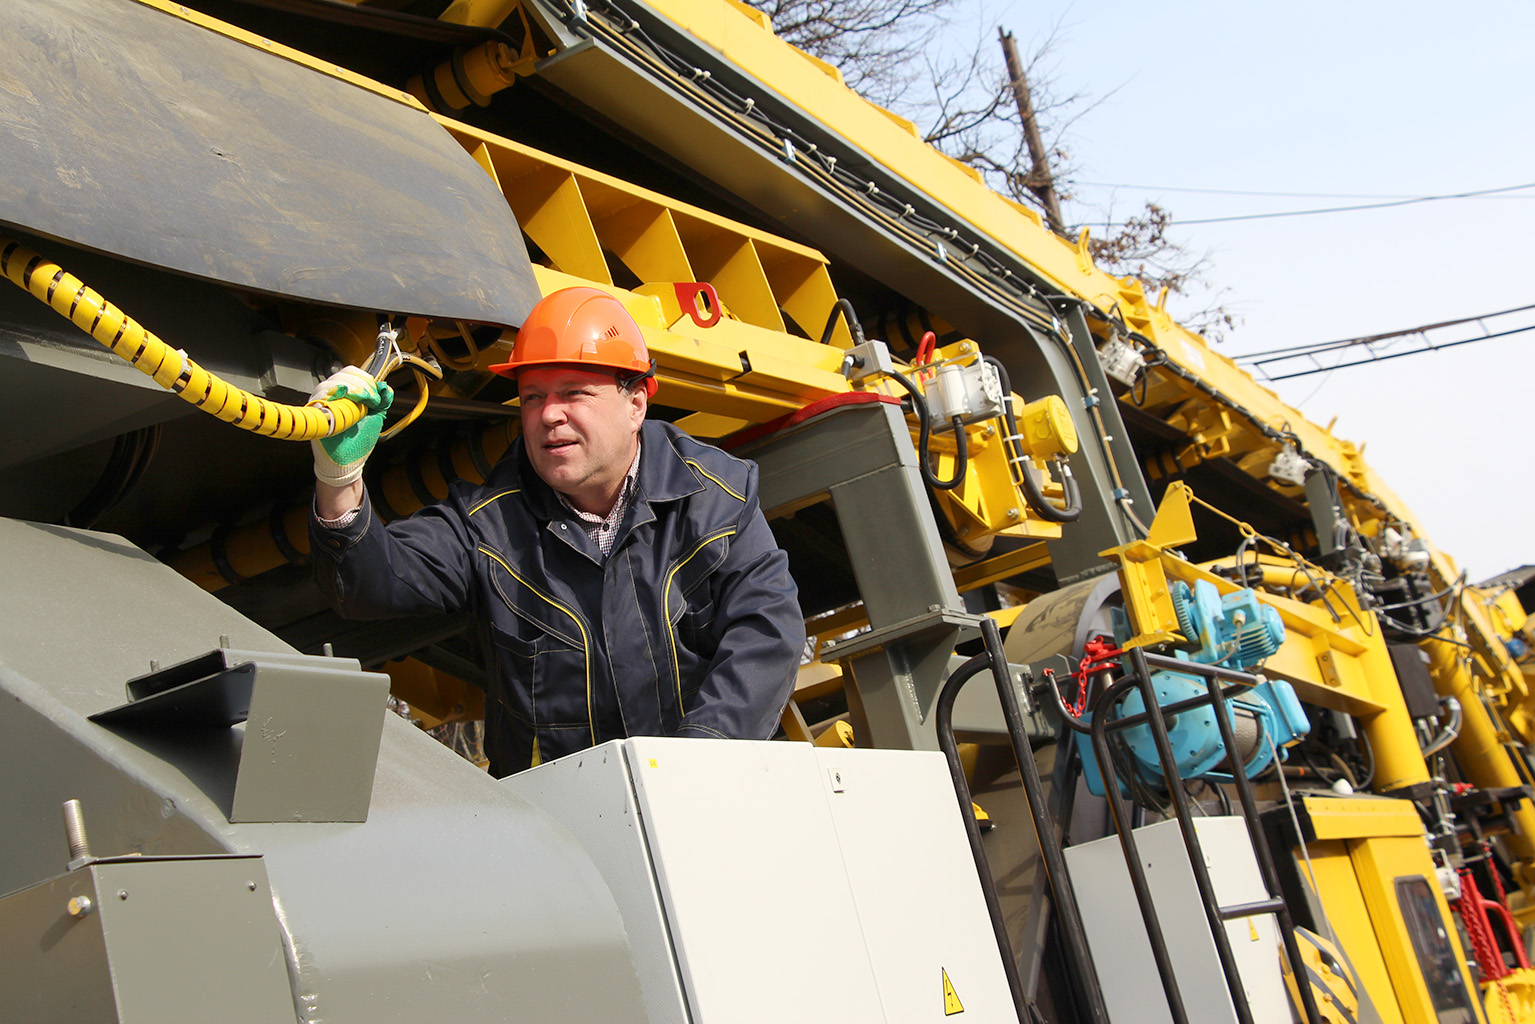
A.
x: 691, y: 626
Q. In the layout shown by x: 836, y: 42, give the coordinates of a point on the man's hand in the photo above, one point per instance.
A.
x: 338, y: 460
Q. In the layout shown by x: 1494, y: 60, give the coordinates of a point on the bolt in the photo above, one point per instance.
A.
x: 1013, y: 513
x: 74, y: 831
x: 330, y: 651
x: 154, y: 666
x: 223, y: 639
x: 251, y: 886
x: 990, y: 430
x: 122, y: 894
x: 80, y: 906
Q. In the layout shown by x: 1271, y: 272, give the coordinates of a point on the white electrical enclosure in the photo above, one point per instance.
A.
x: 781, y: 881
x: 1132, y: 988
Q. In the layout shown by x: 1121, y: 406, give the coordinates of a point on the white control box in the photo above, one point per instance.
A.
x: 781, y: 881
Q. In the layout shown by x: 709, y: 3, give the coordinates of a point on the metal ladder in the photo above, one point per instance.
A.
x: 1220, y: 683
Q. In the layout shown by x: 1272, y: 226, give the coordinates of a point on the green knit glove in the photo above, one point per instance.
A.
x: 339, y: 459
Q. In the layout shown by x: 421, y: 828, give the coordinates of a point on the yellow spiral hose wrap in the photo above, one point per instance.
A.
x: 171, y: 369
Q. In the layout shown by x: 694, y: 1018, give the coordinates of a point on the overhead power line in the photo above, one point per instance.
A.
x: 1260, y: 192
x: 1305, y: 359
x: 1251, y: 192
x: 1362, y: 206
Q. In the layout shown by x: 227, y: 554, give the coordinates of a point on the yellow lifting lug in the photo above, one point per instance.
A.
x: 1143, y: 579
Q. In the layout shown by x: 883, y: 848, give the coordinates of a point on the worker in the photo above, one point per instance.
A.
x: 623, y: 573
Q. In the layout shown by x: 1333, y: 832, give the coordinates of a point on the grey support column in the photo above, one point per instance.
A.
x: 862, y: 459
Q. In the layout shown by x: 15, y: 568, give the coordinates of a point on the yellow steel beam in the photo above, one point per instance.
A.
x: 579, y: 217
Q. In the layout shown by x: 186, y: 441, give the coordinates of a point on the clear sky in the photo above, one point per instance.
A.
x: 1367, y: 98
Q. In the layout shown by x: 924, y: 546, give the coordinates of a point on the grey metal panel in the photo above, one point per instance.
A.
x: 456, y: 900
x: 134, y: 132
x: 53, y: 968
x: 1116, y: 934
x: 591, y: 794
x: 862, y: 457
x: 177, y: 941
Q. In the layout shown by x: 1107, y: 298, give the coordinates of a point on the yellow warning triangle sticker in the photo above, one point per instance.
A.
x: 951, y: 1003
x: 1253, y: 929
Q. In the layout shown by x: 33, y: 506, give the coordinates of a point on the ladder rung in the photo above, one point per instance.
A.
x: 1236, y: 910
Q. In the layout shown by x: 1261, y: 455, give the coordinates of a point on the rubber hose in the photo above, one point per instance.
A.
x: 1043, y: 506
x: 1032, y: 493
x: 961, y: 442
x: 68, y: 296
x: 845, y: 309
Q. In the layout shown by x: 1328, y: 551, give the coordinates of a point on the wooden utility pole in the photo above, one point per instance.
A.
x: 1042, y: 182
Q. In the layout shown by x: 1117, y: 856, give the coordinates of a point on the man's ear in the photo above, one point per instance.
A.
x: 639, y: 401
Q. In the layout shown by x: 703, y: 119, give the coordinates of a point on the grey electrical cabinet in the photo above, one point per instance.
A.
x: 1131, y: 986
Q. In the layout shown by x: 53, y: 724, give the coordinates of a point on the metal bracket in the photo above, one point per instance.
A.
x: 312, y: 729
x: 934, y: 623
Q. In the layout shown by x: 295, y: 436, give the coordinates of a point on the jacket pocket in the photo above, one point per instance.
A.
x: 690, y: 610
x: 553, y: 662
x: 543, y: 679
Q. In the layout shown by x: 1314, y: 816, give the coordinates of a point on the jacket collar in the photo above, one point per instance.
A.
x: 664, y: 476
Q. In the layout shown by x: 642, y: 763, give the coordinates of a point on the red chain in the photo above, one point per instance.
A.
x: 1096, y: 654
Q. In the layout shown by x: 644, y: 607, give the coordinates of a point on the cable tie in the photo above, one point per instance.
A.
x: 907, y: 211
x: 1123, y: 494
x: 1089, y: 402
x: 870, y: 188
x: 746, y: 108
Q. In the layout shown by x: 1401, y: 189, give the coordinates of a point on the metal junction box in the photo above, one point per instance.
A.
x: 781, y: 881
x: 1118, y: 939
x: 135, y: 940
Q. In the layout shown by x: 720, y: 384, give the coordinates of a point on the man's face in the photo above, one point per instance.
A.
x: 580, y: 428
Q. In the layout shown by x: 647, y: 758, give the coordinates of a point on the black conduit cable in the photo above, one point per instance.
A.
x: 961, y: 442
x: 995, y: 276
x: 1032, y: 492
x: 844, y: 309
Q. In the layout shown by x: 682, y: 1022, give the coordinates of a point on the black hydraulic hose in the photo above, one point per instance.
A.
x: 844, y: 309
x: 961, y: 443
x: 1043, y: 506
x: 1032, y: 492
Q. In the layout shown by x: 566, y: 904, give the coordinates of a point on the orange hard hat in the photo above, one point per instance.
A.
x: 582, y: 327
